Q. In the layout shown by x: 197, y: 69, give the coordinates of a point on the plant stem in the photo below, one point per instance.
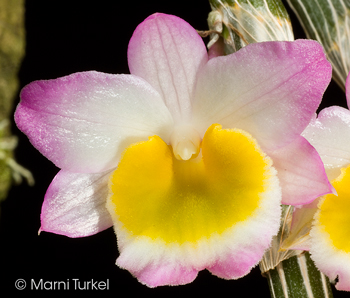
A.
x: 298, y: 277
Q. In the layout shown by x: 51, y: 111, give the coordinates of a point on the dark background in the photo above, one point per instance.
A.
x: 65, y: 37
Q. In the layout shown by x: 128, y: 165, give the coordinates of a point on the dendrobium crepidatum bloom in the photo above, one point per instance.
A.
x: 329, y: 242
x: 188, y: 158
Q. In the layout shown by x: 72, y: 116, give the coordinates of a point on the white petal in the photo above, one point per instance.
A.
x: 82, y: 122
x: 74, y: 204
x: 269, y: 89
x: 167, y: 52
x: 330, y: 135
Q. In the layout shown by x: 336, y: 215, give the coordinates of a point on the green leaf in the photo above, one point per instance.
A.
x: 241, y: 22
x: 328, y: 22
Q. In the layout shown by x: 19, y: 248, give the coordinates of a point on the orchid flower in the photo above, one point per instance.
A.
x: 329, y: 241
x: 188, y: 158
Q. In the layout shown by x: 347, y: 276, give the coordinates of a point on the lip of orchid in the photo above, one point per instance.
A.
x: 197, y: 211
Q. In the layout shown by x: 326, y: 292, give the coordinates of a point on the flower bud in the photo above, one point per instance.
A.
x: 245, y: 22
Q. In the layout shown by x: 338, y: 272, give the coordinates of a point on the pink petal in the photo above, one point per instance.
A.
x: 74, y: 205
x: 82, y: 122
x: 344, y: 276
x: 217, y: 49
x: 229, y: 268
x: 167, y: 52
x: 329, y: 133
x: 162, y: 274
x: 271, y: 90
x: 301, y: 172
x: 154, y: 277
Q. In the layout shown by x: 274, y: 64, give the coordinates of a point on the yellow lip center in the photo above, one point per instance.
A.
x: 334, y: 213
x: 156, y: 194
